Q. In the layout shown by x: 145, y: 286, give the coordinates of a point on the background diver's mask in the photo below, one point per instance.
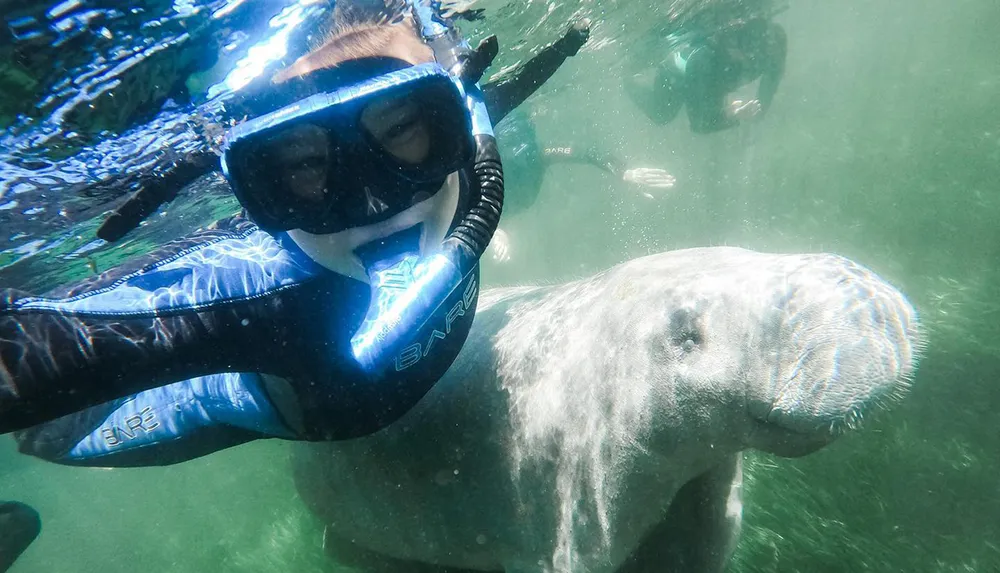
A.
x: 365, y: 153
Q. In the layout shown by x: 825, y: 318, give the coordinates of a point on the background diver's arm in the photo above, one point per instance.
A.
x: 506, y: 94
x: 774, y: 55
x: 161, y: 426
x: 603, y: 160
x: 610, y: 162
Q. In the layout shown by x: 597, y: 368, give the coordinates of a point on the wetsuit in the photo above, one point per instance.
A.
x: 227, y: 306
x: 227, y: 336
x: 700, y: 74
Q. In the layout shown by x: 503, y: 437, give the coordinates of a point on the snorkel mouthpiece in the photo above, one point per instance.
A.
x: 408, y: 291
x: 405, y: 294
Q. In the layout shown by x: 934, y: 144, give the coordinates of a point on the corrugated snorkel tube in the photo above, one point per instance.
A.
x: 472, y: 234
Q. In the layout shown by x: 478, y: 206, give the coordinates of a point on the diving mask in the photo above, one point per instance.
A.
x: 352, y: 157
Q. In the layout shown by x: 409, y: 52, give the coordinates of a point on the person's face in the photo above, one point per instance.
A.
x: 396, y: 123
x: 402, y: 128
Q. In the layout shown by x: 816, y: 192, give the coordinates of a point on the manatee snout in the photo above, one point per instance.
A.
x: 843, y: 341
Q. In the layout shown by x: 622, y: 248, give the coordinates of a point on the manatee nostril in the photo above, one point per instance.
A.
x: 684, y: 329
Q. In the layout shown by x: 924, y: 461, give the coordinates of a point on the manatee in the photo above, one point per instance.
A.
x: 599, y: 425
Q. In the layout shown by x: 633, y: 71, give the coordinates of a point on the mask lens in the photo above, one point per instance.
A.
x: 399, y: 128
x: 284, y: 175
x: 423, y: 133
x: 299, y: 161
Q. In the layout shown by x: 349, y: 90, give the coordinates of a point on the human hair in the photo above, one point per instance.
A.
x: 361, y: 40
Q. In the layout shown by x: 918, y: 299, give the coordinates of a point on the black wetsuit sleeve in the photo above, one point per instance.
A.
x: 231, y: 326
x: 53, y: 364
x: 57, y: 357
x: 706, y: 95
x: 504, y: 95
x: 775, y: 53
x: 53, y: 442
x: 156, y: 187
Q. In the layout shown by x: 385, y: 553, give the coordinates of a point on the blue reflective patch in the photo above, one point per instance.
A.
x: 234, y: 268
x: 172, y: 412
x: 404, y: 296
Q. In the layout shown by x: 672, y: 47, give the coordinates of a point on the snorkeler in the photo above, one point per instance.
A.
x: 19, y: 526
x: 701, y: 72
x: 527, y: 161
x: 372, y: 188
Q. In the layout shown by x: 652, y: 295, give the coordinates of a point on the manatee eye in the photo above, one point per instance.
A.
x: 684, y: 329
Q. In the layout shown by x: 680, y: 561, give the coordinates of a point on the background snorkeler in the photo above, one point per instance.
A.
x: 700, y: 70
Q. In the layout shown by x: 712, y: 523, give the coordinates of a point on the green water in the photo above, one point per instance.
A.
x: 883, y: 145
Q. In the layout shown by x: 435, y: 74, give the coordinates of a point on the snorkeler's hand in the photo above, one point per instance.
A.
x: 500, y: 246
x: 574, y: 38
x: 743, y: 110
x: 650, y: 178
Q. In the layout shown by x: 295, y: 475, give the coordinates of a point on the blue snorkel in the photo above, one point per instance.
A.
x: 409, y: 290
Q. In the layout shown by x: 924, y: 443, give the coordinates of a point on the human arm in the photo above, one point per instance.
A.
x: 161, y: 426
x: 503, y: 95
x: 593, y: 156
x: 156, y: 187
x: 608, y: 161
x: 55, y: 361
x: 229, y: 299
x: 191, y: 308
x: 707, y: 106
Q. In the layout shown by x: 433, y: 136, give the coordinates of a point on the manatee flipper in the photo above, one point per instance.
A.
x: 349, y: 555
x: 701, y: 528
x: 19, y: 526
